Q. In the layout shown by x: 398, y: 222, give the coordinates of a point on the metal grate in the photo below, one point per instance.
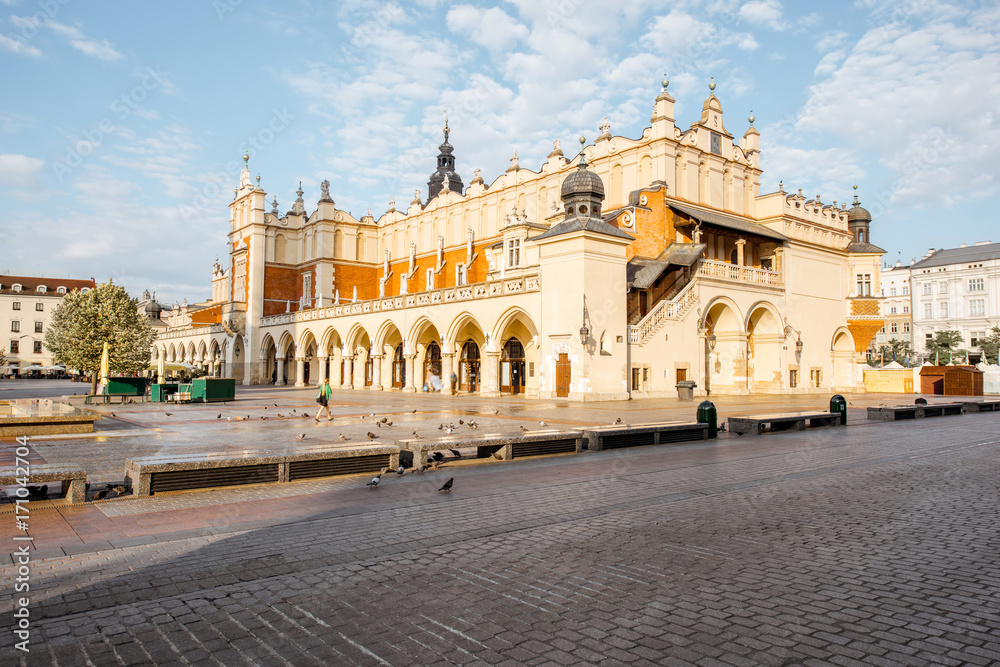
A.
x: 179, y: 480
x: 330, y: 467
x: 543, y: 447
x: 683, y: 435
x: 627, y: 440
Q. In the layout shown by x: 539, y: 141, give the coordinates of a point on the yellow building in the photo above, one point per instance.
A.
x: 617, y: 272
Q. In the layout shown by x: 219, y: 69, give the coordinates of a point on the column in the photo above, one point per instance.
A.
x: 739, y: 251
x: 491, y: 374
x: 358, y: 379
x: 336, y: 374
x: 376, y: 372
x: 408, y: 385
x: 447, y: 368
x: 348, y: 380
x: 322, y: 361
x: 300, y: 371
x: 280, y: 380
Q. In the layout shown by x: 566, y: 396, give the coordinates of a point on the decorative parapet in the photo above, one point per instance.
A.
x: 490, y: 289
x: 708, y: 268
x: 183, y: 332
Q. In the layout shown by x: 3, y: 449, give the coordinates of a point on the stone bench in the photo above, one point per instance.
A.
x: 527, y: 443
x: 73, y: 479
x: 987, y: 405
x: 890, y: 413
x: 634, y: 435
x: 786, y: 421
x: 149, y: 475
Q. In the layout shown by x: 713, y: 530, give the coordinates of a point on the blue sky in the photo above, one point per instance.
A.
x: 122, y: 124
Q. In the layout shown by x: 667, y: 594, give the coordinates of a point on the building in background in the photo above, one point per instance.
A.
x: 896, y: 308
x: 956, y: 289
x: 26, y: 305
x: 635, y: 265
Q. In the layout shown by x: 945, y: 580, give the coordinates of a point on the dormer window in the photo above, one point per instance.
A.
x: 60, y: 290
x: 42, y: 289
x: 17, y: 288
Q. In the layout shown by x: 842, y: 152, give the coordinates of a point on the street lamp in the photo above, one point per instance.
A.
x: 711, y: 342
x: 798, y: 346
x: 584, y: 334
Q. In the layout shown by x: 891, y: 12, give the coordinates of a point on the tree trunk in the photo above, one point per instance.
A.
x: 93, y: 382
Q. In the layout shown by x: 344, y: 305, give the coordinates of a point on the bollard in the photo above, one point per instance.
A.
x: 839, y: 404
x: 707, y: 415
x: 920, y: 401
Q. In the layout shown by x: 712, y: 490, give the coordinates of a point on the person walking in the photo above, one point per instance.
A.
x: 323, y: 398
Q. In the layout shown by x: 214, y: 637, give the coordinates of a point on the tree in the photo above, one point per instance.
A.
x: 941, y: 347
x: 83, y: 322
x: 3, y: 358
x: 991, y: 346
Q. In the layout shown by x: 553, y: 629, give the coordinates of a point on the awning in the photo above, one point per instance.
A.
x: 728, y: 222
x: 642, y: 272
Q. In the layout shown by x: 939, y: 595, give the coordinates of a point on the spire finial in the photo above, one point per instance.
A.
x: 446, y: 130
x: 751, y: 118
x: 258, y: 180
x: 856, y: 202
x: 711, y: 86
x: 583, y: 153
x: 246, y: 160
x: 274, y: 205
x: 665, y: 82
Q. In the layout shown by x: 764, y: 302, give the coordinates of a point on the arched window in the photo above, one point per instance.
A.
x: 398, y: 368
x: 469, y: 367
x: 432, y: 360
x: 512, y: 367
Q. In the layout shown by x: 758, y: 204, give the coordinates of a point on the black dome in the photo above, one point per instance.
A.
x: 583, y: 181
x: 153, y: 307
x: 858, y: 214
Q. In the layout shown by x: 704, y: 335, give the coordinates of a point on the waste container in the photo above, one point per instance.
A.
x: 208, y: 390
x: 685, y: 389
x: 839, y: 404
x: 708, y: 415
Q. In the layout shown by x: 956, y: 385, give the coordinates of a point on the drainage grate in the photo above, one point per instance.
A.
x: 683, y: 435
x: 330, y: 467
x: 180, y: 480
x: 627, y: 440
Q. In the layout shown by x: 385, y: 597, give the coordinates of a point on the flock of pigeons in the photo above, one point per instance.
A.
x: 400, y: 471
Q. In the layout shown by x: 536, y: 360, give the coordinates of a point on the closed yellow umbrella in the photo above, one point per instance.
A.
x: 161, y: 367
x: 105, y: 367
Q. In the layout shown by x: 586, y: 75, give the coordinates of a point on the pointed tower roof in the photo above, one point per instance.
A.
x: 445, y: 170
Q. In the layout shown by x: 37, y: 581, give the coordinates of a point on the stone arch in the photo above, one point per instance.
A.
x: 359, y: 247
x: 725, y: 356
x: 285, y: 343
x: 645, y: 172
x: 765, y: 340
x: 338, y: 244
x: 171, y: 354
x: 330, y: 341
x: 202, y: 352
x: 615, y: 187
x: 425, y: 341
x: 458, y: 324
x: 842, y: 353
x: 268, y: 360
x: 468, y: 340
x: 280, y: 249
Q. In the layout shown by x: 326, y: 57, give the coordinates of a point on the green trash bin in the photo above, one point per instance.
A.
x: 708, y: 415
x: 839, y: 404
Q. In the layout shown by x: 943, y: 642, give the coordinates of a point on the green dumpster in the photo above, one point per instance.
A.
x: 159, y: 392
x: 210, y: 390
x: 126, y: 386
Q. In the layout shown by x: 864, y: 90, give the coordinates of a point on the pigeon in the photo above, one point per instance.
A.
x: 437, y: 456
x: 388, y: 423
x: 421, y: 469
x: 618, y: 421
x: 229, y: 419
x: 343, y: 438
x: 169, y: 414
x: 541, y: 423
x: 413, y: 411
x: 522, y: 428
x: 305, y: 416
x: 263, y: 418
x: 371, y: 436
x: 39, y: 492
x: 372, y: 414
x: 440, y: 427
x: 265, y: 407
x: 722, y: 428
x: 457, y: 454
x: 114, y: 415
x: 400, y: 470
x: 473, y: 425
x: 447, y: 485
x: 498, y: 455
x: 415, y: 435
x: 378, y: 424
x: 383, y: 471
x: 300, y: 437
x: 275, y: 405
x: 375, y: 480
x: 495, y: 411
x: 293, y: 410
x: 384, y: 420
x: 219, y: 416
x: 100, y: 495
x: 449, y: 430
x: 460, y: 421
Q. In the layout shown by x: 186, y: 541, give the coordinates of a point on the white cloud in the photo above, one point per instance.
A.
x: 763, y: 12
x: 493, y: 28
x: 102, y: 50
x: 67, y: 31
x: 19, y: 46
x: 922, y: 99
x: 14, y: 122
x: 831, y: 40
x: 20, y: 170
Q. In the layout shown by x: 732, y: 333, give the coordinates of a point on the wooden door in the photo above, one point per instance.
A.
x: 563, y: 375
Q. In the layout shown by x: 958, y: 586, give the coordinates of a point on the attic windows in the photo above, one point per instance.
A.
x: 42, y: 289
x: 60, y: 290
x: 17, y: 288
x: 716, y: 143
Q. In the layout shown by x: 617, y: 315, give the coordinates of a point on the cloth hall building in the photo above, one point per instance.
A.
x: 617, y: 272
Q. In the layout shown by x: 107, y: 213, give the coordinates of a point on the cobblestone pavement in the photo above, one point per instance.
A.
x: 875, y: 544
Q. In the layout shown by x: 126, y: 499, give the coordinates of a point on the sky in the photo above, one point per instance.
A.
x: 122, y: 124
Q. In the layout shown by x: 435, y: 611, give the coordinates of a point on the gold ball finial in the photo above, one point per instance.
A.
x: 711, y: 86
x: 246, y: 159
x: 751, y: 117
x: 665, y: 82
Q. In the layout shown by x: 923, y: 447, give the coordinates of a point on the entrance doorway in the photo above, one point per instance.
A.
x: 398, y: 368
x: 469, y: 367
x: 512, y: 367
x: 563, y: 375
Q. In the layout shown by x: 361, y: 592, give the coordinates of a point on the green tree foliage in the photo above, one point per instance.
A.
x: 894, y: 350
x: 990, y: 346
x: 82, y: 323
x: 3, y: 358
x: 942, y: 347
